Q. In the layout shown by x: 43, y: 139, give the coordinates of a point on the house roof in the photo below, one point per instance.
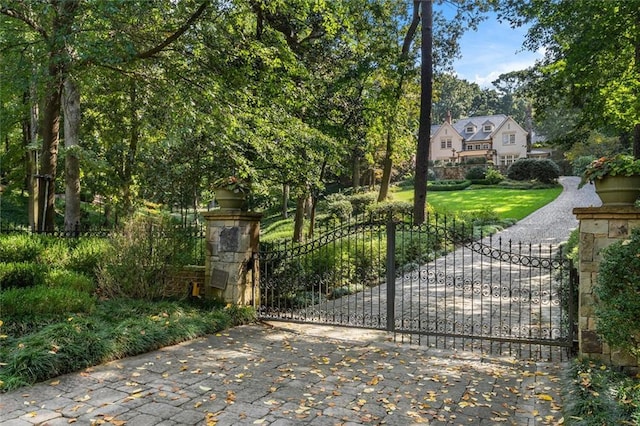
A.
x: 478, y: 123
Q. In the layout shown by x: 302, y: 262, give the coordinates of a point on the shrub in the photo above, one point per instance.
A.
x: 341, y: 209
x: 476, y: 160
x: 448, y: 185
x: 20, y: 248
x: 360, y: 202
x: 476, y: 173
x: 144, y: 255
x: 55, y: 253
x: 580, y: 164
x: 390, y: 207
x: 618, y: 288
x: 69, y: 279
x: 493, y: 176
x: 21, y: 275
x: 545, y: 171
x: 44, y: 301
x: 88, y: 254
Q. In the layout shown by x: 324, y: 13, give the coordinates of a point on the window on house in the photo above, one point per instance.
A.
x: 485, y: 146
x: 508, y: 139
x: 445, y: 143
x: 506, y: 160
x: 487, y: 127
x: 469, y: 129
x: 469, y: 147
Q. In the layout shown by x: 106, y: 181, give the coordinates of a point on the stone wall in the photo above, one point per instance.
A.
x: 178, y: 284
x: 599, y: 228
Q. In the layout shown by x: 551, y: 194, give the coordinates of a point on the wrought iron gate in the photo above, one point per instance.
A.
x: 438, y: 284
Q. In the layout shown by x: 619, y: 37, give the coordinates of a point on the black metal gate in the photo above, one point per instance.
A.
x: 439, y: 284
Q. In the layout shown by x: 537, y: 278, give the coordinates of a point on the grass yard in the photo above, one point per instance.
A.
x: 507, y: 203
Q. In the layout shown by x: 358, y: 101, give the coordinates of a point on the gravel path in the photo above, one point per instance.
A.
x: 553, y: 223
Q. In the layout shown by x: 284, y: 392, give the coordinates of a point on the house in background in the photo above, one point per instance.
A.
x: 496, y: 138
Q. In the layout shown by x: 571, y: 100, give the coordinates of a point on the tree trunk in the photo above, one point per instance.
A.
x: 49, y: 157
x: 130, y: 157
x: 386, y: 168
x: 285, y: 200
x: 30, y: 139
x: 424, y: 130
x: 298, y: 223
x: 71, y: 109
x: 636, y: 141
x: 356, y: 171
x: 57, y: 70
x: 312, y: 216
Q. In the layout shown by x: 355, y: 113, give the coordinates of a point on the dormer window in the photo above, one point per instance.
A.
x: 470, y: 129
x: 487, y: 128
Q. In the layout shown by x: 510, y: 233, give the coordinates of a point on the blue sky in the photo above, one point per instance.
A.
x: 495, y: 48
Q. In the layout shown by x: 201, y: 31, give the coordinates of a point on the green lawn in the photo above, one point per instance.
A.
x: 508, y: 203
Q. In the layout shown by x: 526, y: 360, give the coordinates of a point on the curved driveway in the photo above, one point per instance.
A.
x: 553, y: 223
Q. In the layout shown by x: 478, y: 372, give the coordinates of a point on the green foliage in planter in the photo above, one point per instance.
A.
x: 20, y: 248
x: 580, y: 164
x: 21, y: 275
x: 618, y: 291
x: 546, y: 171
x: 43, y: 301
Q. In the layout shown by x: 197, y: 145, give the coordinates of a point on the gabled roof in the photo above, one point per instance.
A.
x: 496, y: 121
x: 478, y: 123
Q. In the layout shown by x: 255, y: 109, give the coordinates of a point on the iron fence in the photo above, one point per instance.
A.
x: 441, y: 283
x: 195, y: 234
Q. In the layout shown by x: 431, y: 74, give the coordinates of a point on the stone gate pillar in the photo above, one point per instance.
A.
x: 599, y: 228
x: 231, y: 274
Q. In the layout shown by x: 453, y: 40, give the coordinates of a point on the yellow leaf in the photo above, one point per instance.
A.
x: 1, y: 323
x: 72, y: 421
x: 545, y: 397
x: 55, y: 383
x: 197, y: 404
x: 3, y: 336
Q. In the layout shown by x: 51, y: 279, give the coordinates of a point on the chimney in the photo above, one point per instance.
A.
x: 448, y: 120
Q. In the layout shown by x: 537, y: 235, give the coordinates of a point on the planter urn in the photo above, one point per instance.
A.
x: 229, y: 200
x: 618, y: 190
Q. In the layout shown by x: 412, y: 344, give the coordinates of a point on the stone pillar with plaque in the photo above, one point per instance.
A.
x: 231, y: 269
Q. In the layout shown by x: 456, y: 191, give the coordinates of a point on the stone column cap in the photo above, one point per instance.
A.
x: 607, y: 212
x: 232, y: 215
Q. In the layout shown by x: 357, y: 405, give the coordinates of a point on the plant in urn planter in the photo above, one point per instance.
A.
x: 617, y: 179
x: 231, y: 192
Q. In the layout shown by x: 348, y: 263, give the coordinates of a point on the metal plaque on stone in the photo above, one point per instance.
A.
x: 219, y: 278
x: 230, y: 239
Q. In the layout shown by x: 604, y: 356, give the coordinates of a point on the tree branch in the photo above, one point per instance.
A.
x: 173, y: 37
x: 4, y: 10
x: 411, y: 32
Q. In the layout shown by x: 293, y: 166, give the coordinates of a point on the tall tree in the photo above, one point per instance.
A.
x: 592, y: 58
x: 56, y: 22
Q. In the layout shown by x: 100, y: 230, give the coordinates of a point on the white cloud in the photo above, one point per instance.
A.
x: 494, y: 49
